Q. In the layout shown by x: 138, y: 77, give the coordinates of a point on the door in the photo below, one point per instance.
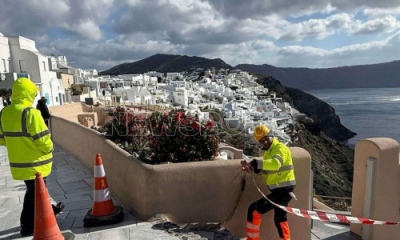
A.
x: 60, y: 97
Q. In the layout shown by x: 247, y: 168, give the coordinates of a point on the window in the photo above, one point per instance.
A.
x: 56, y: 99
x: 5, y: 65
x: 44, y: 66
x: 21, y: 66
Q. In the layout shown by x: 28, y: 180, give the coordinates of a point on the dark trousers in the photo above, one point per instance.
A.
x: 279, y: 196
x: 28, y: 209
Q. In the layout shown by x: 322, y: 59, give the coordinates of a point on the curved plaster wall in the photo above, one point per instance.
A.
x: 186, y: 192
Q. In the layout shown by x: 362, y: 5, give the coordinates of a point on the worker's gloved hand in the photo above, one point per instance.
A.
x: 246, y: 166
x: 254, y: 165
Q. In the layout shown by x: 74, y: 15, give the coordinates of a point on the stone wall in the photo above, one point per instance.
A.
x: 376, y: 187
x: 190, y: 192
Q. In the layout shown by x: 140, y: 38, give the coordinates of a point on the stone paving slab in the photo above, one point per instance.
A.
x: 71, y: 182
x: 331, y: 231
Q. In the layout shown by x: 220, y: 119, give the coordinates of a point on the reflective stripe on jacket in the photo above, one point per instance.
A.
x: 277, y: 166
x: 25, y: 134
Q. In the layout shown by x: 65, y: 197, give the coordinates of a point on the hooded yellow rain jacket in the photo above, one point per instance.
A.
x: 25, y: 134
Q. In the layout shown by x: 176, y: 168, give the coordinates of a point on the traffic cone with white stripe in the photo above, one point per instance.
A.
x: 103, y: 211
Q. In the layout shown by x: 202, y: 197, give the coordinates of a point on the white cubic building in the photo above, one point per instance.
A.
x: 19, y: 57
x: 181, y: 97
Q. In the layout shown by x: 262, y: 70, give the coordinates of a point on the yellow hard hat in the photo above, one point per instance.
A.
x: 260, y: 132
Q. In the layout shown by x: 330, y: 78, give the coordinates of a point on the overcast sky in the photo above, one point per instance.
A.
x: 286, y: 33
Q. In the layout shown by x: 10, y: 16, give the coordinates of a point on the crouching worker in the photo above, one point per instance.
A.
x: 276, y: 168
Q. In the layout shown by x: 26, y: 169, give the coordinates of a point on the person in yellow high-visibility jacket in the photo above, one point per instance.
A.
x: 29, y: 145
x: 277, y: 169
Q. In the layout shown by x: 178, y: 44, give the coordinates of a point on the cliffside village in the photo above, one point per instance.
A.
x: 243, y: 103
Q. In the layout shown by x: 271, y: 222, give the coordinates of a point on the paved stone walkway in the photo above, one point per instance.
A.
x: 71, y: 182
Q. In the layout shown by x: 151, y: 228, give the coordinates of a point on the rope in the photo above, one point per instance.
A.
x: 232, y: 213
x: 243, y: 186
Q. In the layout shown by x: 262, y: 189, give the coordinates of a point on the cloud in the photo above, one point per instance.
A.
x: 334, y: 24
x: 385, y: 24
x: 34, y: 18
x: 379, y: 12
x: 255, y: 9
x: 251, y: 52
x: 86, y: 54
x: 356, y: 54
x: 103, y: 33
x: 316, y: 28
x: 160, y: 15
x: 86, y: 29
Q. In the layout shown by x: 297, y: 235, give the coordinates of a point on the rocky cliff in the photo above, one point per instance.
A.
x: 322, y: 113
x: 321, y: 134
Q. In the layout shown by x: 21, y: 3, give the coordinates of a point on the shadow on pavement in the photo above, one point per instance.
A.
x: 345, y: 236
x: 195, y: 230
x: 14, y: 230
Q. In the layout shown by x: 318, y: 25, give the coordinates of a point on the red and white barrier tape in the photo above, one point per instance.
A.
x: 323, y: 216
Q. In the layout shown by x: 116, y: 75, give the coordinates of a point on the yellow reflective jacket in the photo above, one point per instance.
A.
x: 25, y: 134
x: 277, y: 166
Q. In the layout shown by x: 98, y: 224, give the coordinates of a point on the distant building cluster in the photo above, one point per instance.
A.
x: 20, y: 58
x: 243, y: 102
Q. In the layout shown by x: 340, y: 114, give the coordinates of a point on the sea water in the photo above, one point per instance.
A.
x: 369, y: 112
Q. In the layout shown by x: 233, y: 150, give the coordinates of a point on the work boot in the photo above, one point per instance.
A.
x: 25, y: 230
x: 58, y: 208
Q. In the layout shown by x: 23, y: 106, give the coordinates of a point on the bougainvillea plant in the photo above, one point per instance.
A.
x: 128, y: 130
x: 177, y: 137
x: 164, y: 137
x: 115, y: 130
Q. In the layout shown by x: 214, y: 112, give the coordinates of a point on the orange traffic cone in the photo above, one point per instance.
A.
x: 45, y: 221
x: 102, y: 202
x: 103, y: 211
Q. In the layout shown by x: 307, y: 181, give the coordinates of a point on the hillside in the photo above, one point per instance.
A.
x: 320, y: 133
x: 382, y: 75
x: 322, y: 113
x: 332, y: 161
x: 166, y: 63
